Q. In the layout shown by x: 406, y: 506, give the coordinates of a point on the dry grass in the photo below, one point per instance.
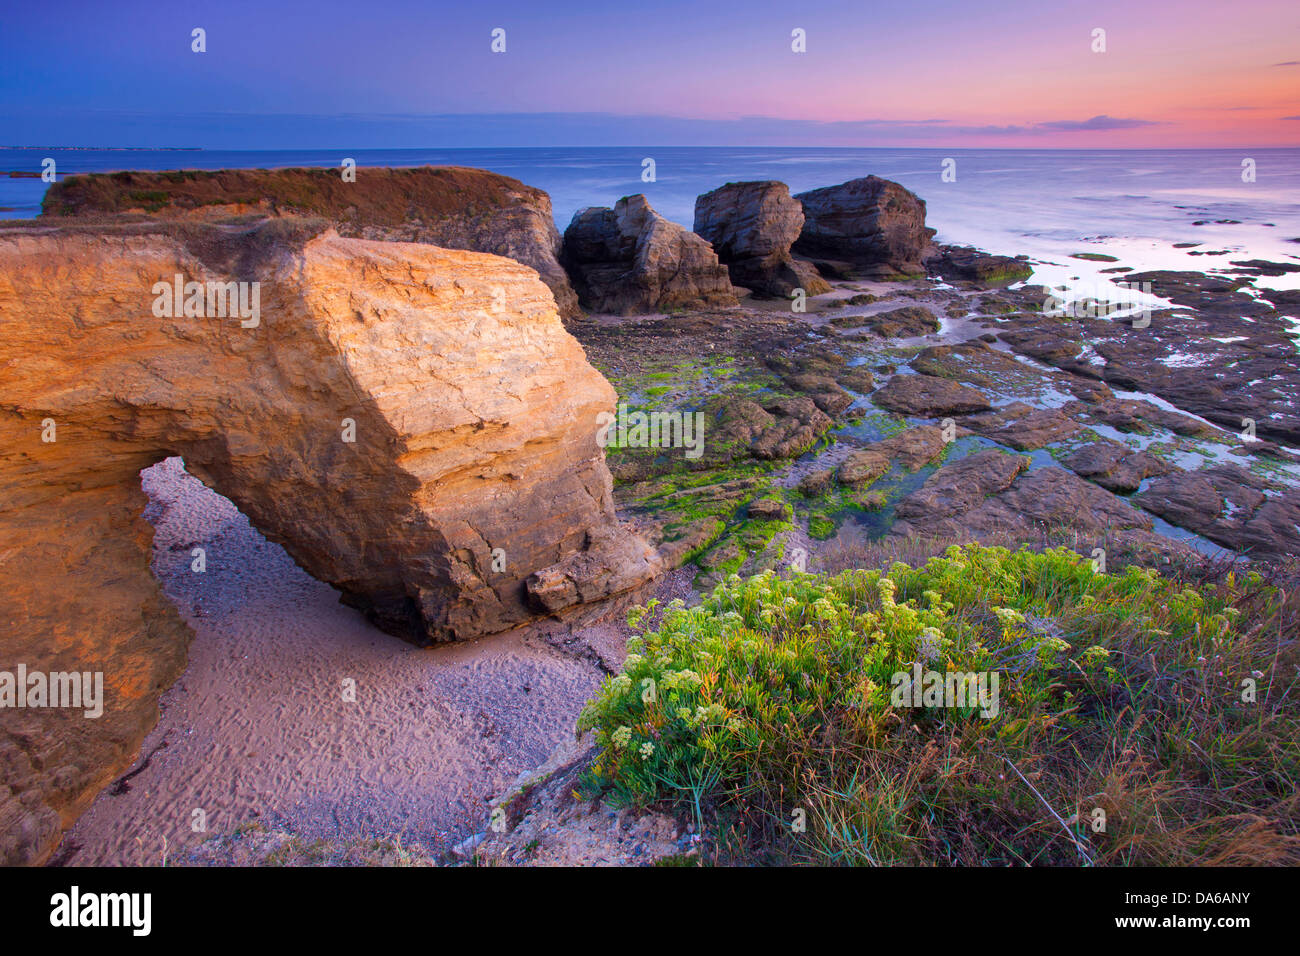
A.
x: 384, y: 197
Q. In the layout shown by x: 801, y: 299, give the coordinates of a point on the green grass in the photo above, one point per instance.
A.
x: 770, y: 704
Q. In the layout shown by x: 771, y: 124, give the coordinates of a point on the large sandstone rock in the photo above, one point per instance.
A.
x: 473, y: 463
x: 752, y: 227
x: 630, y: 259
x: 867, y: 228
x: 450, y: 206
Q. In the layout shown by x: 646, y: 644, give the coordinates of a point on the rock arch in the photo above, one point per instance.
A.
x: 472, y: 414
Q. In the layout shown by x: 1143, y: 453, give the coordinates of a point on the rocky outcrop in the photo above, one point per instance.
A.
x: 992, y: 495
x: 964, y: 264
x: 956, y: 490
x: 1224, y: 354
x: 449, y: 206
x: 912, y: 448
x: 867, y: 228
x: 412, y: 424
x: 752, y: 227
x: 1023, y: 427
x: 1114, y: 465
x: 1231, y: 506
x: 927, y: 396
x: 1135, y: 415
x: 975, y: 363
x: 630, y: 260
x: 908, y: 322
x: 781, y: 427
x: 823, y: 375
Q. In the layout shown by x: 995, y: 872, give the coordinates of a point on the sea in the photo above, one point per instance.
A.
x: 1142, y: 207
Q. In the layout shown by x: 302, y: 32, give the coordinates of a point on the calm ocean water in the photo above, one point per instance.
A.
x: 1133, y: 204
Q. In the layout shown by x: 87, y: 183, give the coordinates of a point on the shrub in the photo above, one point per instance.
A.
x: 1120, y: 698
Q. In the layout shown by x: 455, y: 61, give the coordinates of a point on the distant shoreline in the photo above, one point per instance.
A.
x: 120, y: 149
x: 634, y: 146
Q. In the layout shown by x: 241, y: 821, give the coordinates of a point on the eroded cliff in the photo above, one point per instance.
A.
x: 450, y: 206
x: 412, y: 424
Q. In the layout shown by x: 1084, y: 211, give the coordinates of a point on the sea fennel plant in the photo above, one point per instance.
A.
x: 775, y: 705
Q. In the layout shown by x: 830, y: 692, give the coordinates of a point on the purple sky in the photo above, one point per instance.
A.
x: 332, y: 74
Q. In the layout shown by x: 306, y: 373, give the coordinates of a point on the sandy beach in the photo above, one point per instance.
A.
x: 257, y: 728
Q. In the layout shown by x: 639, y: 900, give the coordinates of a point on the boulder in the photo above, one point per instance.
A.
x: 752, y: 227
x: 609, y: 561
x: 782, y: 427
x: 449, y: 206
x: 817, y: 483
x: 413, y: 425
x: 921, y: 445
x: 821, y: 374
x: 630, y: 260
x: 868, y: 228
x: 910, y: 321
x: 863, y: 467
x: 798, y: 423
x: 823, y: 390
x: 856, y: 378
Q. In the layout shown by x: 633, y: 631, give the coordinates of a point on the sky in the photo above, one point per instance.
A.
x: 400, y: 73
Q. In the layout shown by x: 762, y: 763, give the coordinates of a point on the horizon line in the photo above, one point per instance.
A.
x: 309, y: 149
